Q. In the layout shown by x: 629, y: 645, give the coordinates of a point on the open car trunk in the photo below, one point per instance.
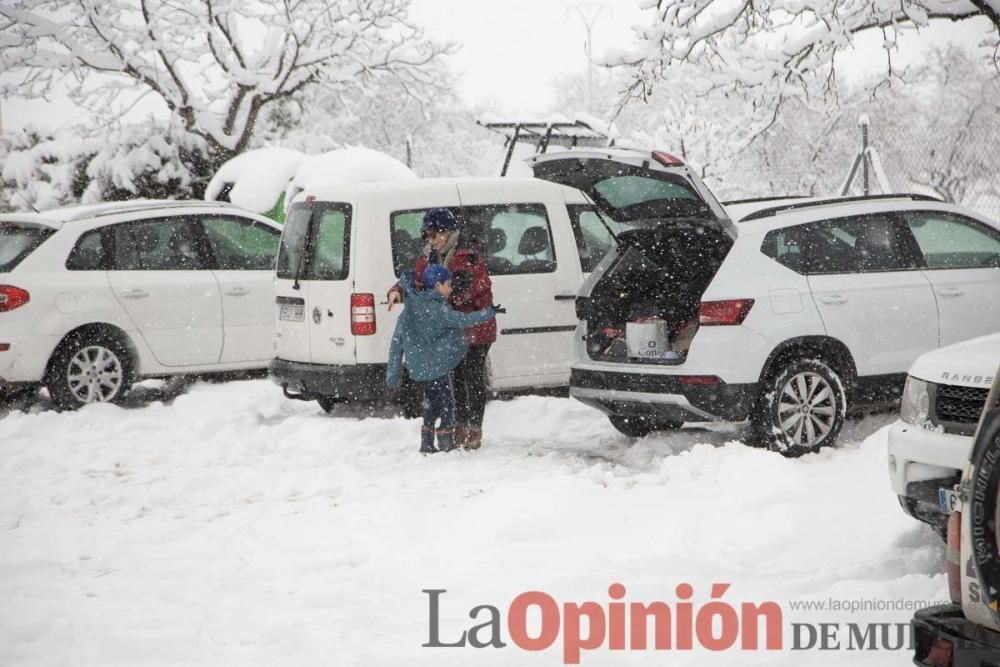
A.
x: 644, y: 309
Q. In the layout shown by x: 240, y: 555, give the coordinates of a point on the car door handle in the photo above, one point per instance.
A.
x: 565, y: 297
x: 833, y: 300
x: 238, y: 291
x: 951, y: 291
x: 134, y: 294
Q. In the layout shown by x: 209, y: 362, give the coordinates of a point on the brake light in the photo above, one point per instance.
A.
x: 723, y: 313
x: 4, y: 347
x: 362, y: 314
x: 667, y: 160
x: 954, y: 557
x: 12, y: 297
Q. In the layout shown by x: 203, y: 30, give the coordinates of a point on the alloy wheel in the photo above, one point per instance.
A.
x: 95, y: 374
x: 806, y: 409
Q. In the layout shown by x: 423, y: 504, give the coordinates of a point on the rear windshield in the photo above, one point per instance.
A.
x: 315, y: 243
x: 635, y: 197
x: 17, y: 242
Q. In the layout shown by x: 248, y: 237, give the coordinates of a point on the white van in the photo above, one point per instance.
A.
x: 344, y: 247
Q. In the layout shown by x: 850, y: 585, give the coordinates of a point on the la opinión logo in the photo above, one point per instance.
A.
x: 615, y: 624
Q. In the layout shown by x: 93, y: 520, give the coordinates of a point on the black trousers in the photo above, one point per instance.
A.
x: 470, y: 387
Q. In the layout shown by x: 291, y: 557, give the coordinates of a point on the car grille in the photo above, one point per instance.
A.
x: 959, y: 406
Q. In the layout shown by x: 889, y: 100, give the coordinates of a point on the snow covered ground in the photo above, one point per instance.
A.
x: 231, y: 526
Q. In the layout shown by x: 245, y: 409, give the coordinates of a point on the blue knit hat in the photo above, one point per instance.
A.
x: 434, y: 274
x: 439, y: 220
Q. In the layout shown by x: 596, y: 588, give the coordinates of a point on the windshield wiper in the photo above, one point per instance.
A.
x: 302, y: 257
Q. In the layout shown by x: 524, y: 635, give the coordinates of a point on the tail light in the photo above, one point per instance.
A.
x: 941, y: 654
x: 722, y: 313
x: 12, y: 297
x: 954, y: 558
x: 362, y: 314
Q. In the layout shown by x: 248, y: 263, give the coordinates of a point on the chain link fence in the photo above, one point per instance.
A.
x: 956, y: 162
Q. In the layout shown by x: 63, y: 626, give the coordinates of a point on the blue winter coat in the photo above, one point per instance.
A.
x: 429, y: 333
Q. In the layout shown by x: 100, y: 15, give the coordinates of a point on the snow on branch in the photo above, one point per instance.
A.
x: 215, y: 63
x: 777, y: 49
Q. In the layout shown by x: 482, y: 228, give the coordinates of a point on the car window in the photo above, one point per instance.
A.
x: 88, y: 253
x: 241, y: 244
x: 169, y: 244
x: 949, y: 241
x: 593, y: 240
x: 330, y: 247
x: 315, y: 242
x: 866, y: 244
x: 18, y: 241
x: 622, y: 191
x: 516, y: 238
x: 407, y: 244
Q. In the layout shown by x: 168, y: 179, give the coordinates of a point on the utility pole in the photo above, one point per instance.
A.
x: 589, y: 12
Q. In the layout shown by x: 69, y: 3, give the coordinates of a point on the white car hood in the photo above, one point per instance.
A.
x: 971, y: 363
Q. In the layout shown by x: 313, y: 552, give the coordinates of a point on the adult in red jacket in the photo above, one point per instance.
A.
x: 472, y: 290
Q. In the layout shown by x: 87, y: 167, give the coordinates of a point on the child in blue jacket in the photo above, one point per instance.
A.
x: 430, y: 334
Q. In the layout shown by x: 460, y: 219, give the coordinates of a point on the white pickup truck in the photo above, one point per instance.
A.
x: 929, y: 444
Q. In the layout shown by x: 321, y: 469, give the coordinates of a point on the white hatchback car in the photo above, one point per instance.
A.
x: 93, y: 298
x: 785, y: 313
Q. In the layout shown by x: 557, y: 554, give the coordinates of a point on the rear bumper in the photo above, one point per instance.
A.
x: 661, y: 395
x: 972, y: 645
x: 25, y: 361
x: 310, y: 381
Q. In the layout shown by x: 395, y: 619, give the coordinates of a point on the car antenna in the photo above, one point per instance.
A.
x: 18, y: 193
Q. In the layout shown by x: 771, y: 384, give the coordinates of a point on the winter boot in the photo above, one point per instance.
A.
x: 473, y: 438
x: 461, y: 436
x: 446, y: 439
x: 427, y: 440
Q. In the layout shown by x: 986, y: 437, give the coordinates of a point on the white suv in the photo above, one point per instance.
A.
x: 930, y: 442
x: 94, y: 297
x: 786, y: 317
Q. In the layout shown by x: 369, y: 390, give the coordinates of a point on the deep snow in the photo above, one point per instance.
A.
x: 231, y: 526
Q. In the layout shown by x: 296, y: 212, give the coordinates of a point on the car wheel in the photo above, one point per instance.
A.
x: 801, y: 408
x: 984, y: 505
x: 328, y: 403
x: 637, y: 427
x: 88, y: 369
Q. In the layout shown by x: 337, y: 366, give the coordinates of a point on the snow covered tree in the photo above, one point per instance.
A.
x: 780, y: 49
x: 216, y: 64
x: 145, y: 160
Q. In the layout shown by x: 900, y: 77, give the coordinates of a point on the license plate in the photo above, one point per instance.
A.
x: 291, y: 312
x: 949, y: 500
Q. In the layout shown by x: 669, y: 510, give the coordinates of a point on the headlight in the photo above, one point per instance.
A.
x: 916, y: 404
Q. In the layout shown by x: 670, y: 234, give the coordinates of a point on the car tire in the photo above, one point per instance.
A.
x: 328, y: 403
x: 88, y: 368
x: 801, y: 408
x: 638, y: 427
x: 984, y: 505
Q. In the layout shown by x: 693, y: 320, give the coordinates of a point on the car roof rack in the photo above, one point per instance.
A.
x: 774, y: 210
x: 569, y: 134
x: 756, y: 200
x: 135, y: 205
